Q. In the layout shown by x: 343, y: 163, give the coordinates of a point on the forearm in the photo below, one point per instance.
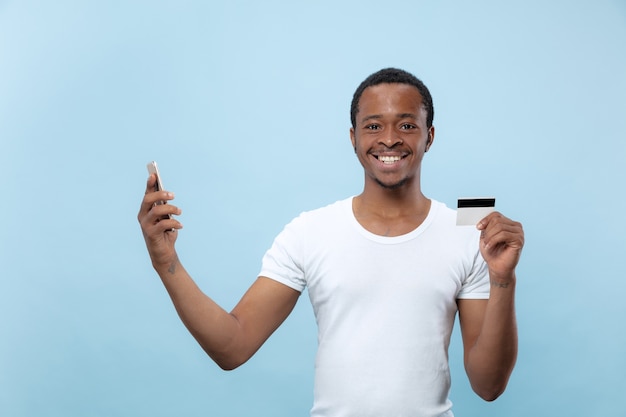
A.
x: 490, y: 361
x: 215, y: 329
x: 218, y: 332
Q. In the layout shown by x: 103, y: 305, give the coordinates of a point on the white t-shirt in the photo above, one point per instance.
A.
x: 385, y: 307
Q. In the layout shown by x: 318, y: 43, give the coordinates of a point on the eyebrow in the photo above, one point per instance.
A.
x: 380, y: 116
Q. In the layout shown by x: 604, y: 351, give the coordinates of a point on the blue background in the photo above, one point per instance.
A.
x: 245, y: 107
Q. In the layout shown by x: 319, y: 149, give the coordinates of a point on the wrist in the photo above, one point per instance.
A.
x: 498, y: 280
x: 166, y: 267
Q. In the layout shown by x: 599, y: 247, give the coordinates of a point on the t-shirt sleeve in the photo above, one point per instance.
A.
x: 476, y: 284
x: 282, y: 262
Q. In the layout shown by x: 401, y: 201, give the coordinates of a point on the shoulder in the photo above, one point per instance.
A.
x: 329, y: 213
x: 442, y: 211
x: 313, y: 228
x: 444, y: 224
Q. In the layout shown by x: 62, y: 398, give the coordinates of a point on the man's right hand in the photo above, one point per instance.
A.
x: 159, y: 230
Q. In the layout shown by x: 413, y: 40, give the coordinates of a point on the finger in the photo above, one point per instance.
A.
x: 495, y: 220
x: 153, y: 209
x: 151, y: 190
x: 498, y: 225
x: 147, y: 201
x: 156, y: 223
x: 158, y: 214
x: 510, y: 234
x: 161, y: 211
x: 155, y: 198
x: 151, y: 183
x: 166, y: 225
x: 491, y: 217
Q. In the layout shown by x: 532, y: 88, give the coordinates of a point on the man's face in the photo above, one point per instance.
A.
x: 390, y: 136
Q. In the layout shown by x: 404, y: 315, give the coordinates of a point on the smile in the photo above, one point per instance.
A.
x: 388, y: 159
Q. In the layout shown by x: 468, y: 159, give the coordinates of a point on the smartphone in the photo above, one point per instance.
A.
x: 153, y: 168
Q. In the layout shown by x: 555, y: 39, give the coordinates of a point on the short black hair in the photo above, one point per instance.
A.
x: 393, y: 76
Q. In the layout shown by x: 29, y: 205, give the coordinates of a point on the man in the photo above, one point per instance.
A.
x: 386, y: 272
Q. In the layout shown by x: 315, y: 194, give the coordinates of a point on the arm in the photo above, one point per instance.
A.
x: 230, y: 339
x: 489, y: 327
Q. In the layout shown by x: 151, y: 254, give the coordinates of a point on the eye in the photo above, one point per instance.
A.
x: 407, y: 126
x: 372, y: 126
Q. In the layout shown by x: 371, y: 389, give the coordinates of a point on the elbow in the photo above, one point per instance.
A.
x: 490, y: 392
x: 228, y: 361
x: 491, y: 385
x: 228, y: 366
x: 490, y: 382
x: 227, y: 356
x: 489, y: 395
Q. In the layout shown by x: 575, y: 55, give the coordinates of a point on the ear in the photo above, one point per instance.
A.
x: 353, y: 139
x: 431, y: 138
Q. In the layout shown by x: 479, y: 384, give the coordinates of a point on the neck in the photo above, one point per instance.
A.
x: 390, y: 212
x: 393, y: 202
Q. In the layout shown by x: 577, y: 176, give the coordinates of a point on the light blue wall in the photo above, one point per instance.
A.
x: 245, y: 106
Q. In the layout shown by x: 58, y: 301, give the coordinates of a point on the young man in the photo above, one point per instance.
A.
x: 386, y: 272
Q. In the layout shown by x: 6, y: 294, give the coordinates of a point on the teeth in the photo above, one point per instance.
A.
x: 388, y: 159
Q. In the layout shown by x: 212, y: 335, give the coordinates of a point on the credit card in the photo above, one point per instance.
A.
x: 470, y: 210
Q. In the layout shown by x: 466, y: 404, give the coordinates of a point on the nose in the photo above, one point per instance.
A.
x: 390, y: 138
